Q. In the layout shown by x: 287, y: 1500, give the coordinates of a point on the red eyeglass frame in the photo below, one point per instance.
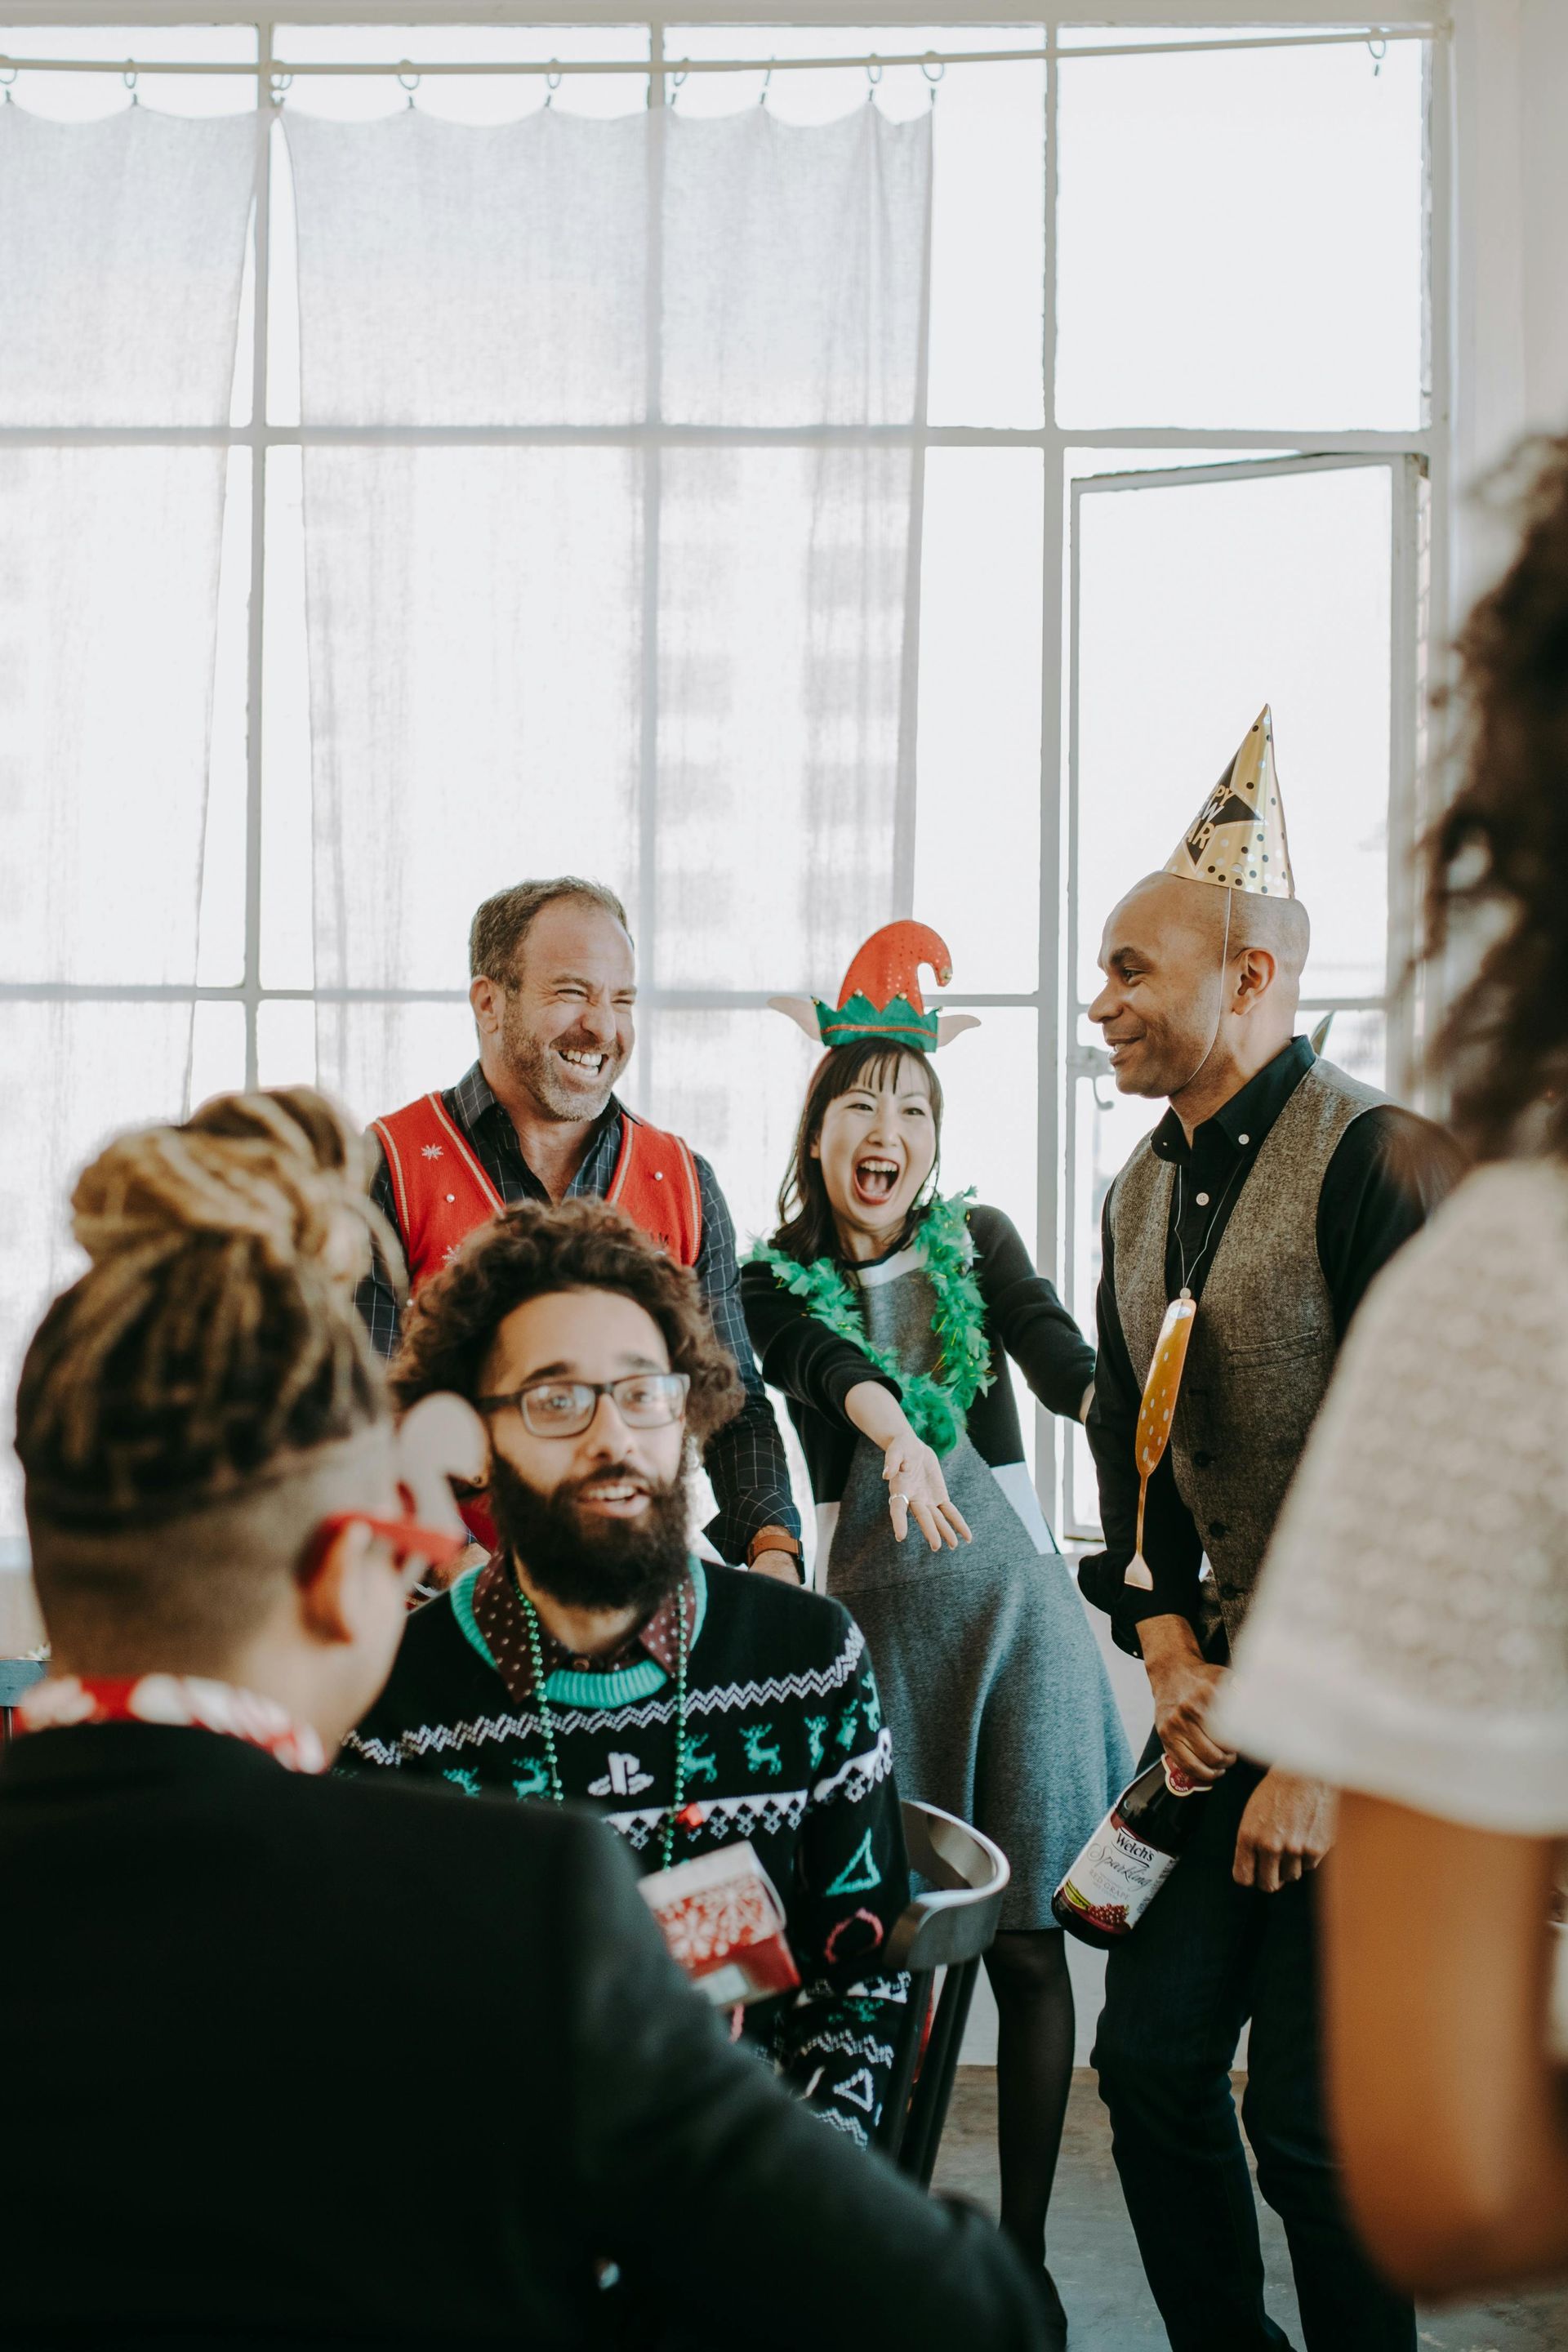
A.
x: 408, y: 1539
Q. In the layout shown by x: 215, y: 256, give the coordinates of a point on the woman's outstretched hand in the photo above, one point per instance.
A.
x: 915, y: 1483
x: 913, y: 1474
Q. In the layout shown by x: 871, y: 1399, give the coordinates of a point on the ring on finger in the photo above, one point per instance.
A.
x: 899, y: 1499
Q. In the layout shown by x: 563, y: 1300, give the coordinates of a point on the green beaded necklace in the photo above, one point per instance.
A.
x: 547, y: 1727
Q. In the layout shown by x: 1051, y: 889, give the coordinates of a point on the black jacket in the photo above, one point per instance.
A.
x: 326, y: 2058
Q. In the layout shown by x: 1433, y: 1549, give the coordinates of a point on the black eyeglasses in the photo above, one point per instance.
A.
x: 566, y: 1408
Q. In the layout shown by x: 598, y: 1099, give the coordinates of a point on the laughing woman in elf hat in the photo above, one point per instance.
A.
x: 886, y: 1313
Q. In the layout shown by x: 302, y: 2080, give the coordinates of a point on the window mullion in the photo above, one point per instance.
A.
x: 653, y: 496
x: 254, y: 640
x: 1053, y: 1230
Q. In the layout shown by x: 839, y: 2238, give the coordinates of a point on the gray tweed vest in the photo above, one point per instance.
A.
x: 1264, y: 1341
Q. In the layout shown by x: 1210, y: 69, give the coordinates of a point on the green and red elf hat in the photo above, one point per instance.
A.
x: 881, y: 997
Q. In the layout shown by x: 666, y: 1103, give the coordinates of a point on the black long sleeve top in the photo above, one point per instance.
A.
x: 161, y: 1881
x: 815, y: 1369
x: 1390, y: 1171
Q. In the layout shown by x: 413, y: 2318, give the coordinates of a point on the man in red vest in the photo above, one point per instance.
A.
x: 536, y: 1119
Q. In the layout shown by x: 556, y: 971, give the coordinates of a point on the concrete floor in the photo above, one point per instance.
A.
x: 1094, y: 2259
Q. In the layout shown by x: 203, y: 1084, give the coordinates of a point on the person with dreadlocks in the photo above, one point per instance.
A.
x: 211, y: 1942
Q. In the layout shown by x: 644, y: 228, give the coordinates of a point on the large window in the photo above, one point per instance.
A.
x: 1177, y: 421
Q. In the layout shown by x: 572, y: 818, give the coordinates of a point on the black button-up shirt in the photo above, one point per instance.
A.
x: 745, y: 1459
x: 1389, y: 1171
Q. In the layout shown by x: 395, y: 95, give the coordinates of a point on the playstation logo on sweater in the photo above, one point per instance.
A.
x: 625, y: 1777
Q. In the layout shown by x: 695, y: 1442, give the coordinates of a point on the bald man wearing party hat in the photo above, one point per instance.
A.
x: 1237, y: 1242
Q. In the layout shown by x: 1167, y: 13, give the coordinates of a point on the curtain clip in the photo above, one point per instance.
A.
x: 128, y: 78
x: 677, y: 83
x: 767, y: 79
x: 551, y: 84
x: 408, y: 79
x: 873, y: 74
x: 926, y: 62
x: 280, y: 84
x: 1377, y: 49
x: 8, y: 79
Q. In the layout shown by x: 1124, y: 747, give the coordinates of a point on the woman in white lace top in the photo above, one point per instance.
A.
x: 1409, y: 1643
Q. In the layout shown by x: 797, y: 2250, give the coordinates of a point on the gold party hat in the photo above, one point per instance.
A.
x: 1239, y: 839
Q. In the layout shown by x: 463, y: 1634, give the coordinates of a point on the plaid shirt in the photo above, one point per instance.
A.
x: 746, y: 1460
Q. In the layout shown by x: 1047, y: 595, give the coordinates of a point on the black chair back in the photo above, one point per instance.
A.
x: 950, y: 1926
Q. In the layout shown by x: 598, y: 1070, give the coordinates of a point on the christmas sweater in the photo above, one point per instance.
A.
x: 785, y: 1746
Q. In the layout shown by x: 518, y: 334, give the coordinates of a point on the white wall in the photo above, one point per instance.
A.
x: 1510, y: 188
x: 1544, y: 204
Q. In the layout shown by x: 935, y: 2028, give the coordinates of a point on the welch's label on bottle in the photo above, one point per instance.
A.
x: 1115, y: 1878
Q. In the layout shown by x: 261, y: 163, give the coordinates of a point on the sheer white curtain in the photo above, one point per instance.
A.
x: 121, y: 248
x: 649, y: 642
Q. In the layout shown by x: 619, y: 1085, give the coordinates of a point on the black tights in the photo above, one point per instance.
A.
x: 1029, y: 1973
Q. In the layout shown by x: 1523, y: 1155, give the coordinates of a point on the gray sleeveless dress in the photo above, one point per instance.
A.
x: 992, y: 1684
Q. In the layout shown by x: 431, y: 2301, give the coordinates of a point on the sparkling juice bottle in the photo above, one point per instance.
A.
x: 1133, y: 1853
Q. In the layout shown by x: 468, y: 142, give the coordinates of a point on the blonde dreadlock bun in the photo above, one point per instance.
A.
x: 292, y: 1118
x: 214, y: 1328
x: 149, y: 1194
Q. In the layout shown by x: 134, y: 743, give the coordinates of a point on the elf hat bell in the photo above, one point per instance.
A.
x: 1237, y: 840
x: 881, y: 997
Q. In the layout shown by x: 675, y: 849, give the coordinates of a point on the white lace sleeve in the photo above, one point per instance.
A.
x: 1410, y: 1634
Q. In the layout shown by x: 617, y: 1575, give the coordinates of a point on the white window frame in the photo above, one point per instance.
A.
x: 1293, y: 22
x: 1398, y: 1002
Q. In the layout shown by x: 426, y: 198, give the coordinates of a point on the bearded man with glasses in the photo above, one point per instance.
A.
x: 594, y: 1659
x: 207, y: 1936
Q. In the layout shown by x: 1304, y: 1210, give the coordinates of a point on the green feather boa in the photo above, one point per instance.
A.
x: 937, y: 1404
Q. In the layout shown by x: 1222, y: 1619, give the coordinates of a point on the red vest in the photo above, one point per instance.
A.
x: 442, y: 1191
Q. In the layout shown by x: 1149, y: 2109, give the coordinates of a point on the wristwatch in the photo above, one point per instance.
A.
x: 775, y: 1539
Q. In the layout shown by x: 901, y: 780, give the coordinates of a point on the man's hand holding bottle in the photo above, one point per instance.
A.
x: 1183, y: 1685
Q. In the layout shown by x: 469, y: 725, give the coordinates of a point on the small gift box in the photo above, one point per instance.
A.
x: 721, y: 1918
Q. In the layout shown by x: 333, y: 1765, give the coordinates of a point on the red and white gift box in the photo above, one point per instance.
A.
x: 721, y: 1918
